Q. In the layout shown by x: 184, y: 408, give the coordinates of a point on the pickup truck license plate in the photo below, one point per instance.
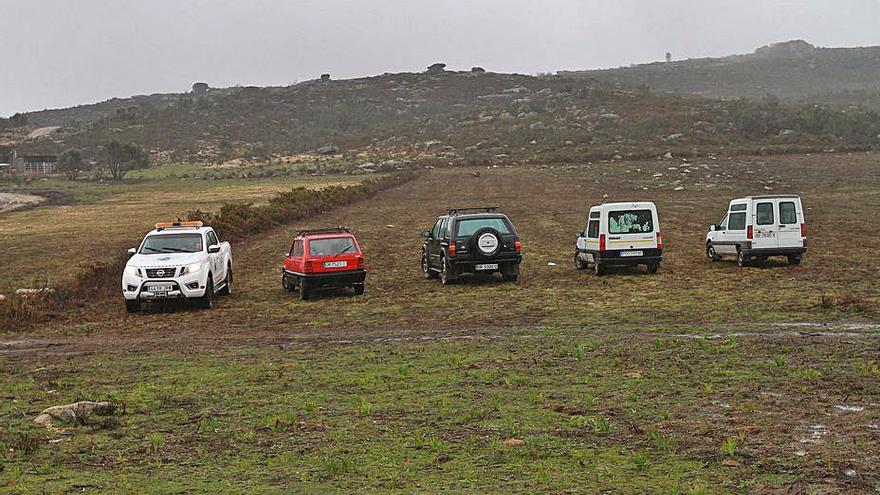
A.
x: 487, y: 266
x: 335, y: 264
x: 626, y: 254
x: 160, y: 288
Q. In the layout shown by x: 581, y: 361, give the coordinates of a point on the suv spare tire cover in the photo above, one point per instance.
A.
x: 487, y: 241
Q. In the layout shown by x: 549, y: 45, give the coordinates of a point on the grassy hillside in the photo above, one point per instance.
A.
x: 793, y: 70
x: 452, y: 117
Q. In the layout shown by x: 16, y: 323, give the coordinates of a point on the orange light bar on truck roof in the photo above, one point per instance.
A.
x: 170, y: 225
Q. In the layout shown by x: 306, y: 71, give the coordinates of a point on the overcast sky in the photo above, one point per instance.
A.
x: 59, y: 53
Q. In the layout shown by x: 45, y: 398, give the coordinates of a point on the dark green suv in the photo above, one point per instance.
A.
x: 471, y: 240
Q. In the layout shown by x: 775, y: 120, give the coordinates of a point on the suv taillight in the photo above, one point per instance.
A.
x: 803, y: 230
x: 451, y: 249
x: 659, y: 240
x: 308, y: 266
x: 750, y: 233
x: 517, y: 246
x: 360, y: 261
x: 601, y: 242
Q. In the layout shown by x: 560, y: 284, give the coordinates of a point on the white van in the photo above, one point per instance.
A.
x: 756, y: 227
x: 620, y: 234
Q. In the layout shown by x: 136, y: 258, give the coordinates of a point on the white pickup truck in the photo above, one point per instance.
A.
x: 177, y: 260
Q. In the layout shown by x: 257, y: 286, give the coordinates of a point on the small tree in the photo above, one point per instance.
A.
x: 71, y: 163
x: 119, y: 159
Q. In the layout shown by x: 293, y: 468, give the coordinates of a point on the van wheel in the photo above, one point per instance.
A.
x: 427, y: 272
x: 579, y: 264
x: 132, y: 305
x: 741, y: 260
x: 711, y: 255
x: 653, y: 267
x: 600, y: 270
x: 794, y: 260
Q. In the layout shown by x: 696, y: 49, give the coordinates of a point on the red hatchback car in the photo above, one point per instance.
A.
x: 321, y: 259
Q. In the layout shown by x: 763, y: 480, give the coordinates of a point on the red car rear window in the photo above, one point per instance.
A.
x: 331, y: 246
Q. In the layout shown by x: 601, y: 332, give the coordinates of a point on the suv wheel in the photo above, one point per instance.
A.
x: 427, y: 272
x: 653, y: 267
x: 579, y: 263
x: 227, y: 285
x: 446, y: 277
x: 358, y: 289
x: 711, y: 254
x: 132, y: 305
x: 741, y: 260
x: 305, y: 289
x: 286, y: 284
x: 207, y: 301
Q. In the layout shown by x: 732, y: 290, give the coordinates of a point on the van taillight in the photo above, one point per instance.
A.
x: 803, y: 230
x: 659, y: 240
x: 601, y: 242
x: 308, y: 266
x: 451, y: 249
x: 750, y: 233
x: 517, y: 246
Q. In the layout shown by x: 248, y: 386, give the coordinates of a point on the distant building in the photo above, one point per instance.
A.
x: 34, y: 164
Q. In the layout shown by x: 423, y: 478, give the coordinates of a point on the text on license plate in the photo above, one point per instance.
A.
x: 160, y: 288
x: 487, y: 266
x: 335, y: 264
x: 631, y: 253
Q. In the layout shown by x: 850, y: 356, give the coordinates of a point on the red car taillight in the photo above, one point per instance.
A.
x: 451, y: 249
x: 308, y: 266
x: 601, y: 242
x: 750, y: 233
x: 517, y: 246
x: 360, y: 261
x: 804, y: 230
x: 659, y: 240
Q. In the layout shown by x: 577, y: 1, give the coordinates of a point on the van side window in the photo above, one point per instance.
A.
x: 787, y: 213
x: 738, y: 207
x: 723, y: 223
x: 593, y: 229
x: 737, y: 221
x: 764, y: 214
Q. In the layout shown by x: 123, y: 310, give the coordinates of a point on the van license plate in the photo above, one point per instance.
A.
x: 160, y: 289
x: 335, y: 264
x: 488, y: 266
x: 627, y: 254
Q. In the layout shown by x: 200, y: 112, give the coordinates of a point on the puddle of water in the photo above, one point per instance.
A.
x: 845, y: 408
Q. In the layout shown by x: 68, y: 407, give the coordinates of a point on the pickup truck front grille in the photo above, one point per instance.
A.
x: 161, y: 272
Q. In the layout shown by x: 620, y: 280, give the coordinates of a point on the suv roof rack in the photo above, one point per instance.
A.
x: 329, y: 230
x: 482, y: 209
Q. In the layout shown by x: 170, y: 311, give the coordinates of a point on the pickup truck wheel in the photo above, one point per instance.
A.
x: 579, y: 263
x: 207, y: 301
x: 305, y: 290
x: 358, y: 289
x: 794, y: 260
x: 132, y: 305
x: 427, y: 272
x: 227, y: 286
x: 446, y: 277
x: 741, y: 260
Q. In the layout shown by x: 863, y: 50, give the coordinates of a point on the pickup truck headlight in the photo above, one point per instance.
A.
x: 133, y: 271
x: 190, y: 269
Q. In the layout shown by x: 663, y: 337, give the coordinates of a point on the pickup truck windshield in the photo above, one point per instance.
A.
x: 172, y: 243
x: 466, y: 228
x: 332, y: 246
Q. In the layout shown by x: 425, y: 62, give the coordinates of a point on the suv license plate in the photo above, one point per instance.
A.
x: 488, y: 266
x: 160, y: 289
x: 335, y: 264
x: 625, y: 254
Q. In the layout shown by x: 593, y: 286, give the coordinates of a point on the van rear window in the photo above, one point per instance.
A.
x: 630, y: 222
x: 787, y: 213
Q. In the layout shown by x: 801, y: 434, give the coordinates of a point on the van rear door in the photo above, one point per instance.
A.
x: 765, y: 233
x: 631, y: 230
x: 789, y: 219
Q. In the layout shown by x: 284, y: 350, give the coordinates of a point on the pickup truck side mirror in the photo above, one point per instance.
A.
x: 427, y: 234
x: 214, y: 248
x: 713, y: 228
x: 132, y: 250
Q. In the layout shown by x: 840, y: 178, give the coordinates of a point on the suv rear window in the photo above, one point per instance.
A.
x: 468, y: 226
x: 331, y: 246
x: 630, y: 222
